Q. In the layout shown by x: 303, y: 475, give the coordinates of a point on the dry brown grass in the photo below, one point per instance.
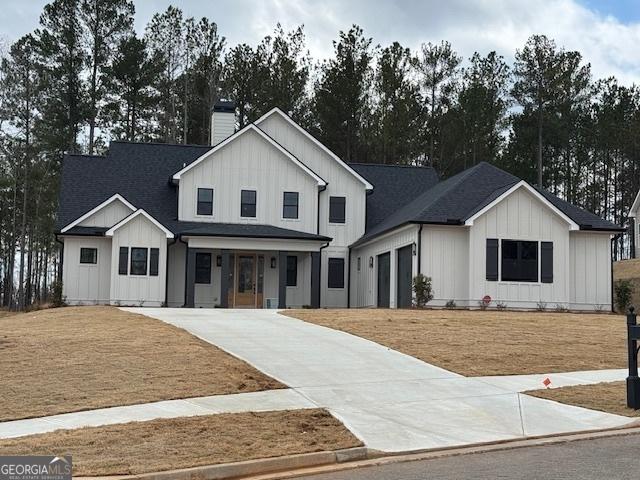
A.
x: 6, y: 313
x: 475, y: 343
x: 608, y: 397
x: 159, y: 445
x: 80, y: 358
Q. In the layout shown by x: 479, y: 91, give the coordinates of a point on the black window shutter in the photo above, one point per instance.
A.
x: 546, y: 262
x: 154, y: 260
x: 492, y: 259
x: 123, y: 261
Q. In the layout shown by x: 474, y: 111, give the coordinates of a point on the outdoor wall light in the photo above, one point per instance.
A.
x: 219, y: 260
x: 413, y: 248
x: 273, y: 262
x: 370, y: 262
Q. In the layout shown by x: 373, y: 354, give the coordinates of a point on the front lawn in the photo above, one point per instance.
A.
x: 80, y: 358
x: 477, y: 343
x: 168, y: 444
x: 608, y: 397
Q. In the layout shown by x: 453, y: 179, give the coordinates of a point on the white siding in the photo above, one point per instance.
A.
x: 86, y: 284
x: 590, y: 261
x: 107, y: 216
x: 520, y: 216
x: 175, y: 282
x: 364, y: 283
x: 250, y: 163
x: 445, y: 258
x: 341, y: 182
x: 333, y: 297
x: 223, y: 124
x: 142, y: 290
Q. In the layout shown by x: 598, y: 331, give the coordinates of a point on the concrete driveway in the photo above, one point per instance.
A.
x: 391, y: 401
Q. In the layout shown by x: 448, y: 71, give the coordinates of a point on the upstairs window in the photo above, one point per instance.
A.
x: 290, y: 205
x: 205, y: 201
x: 248, y: 203
x: 89, y: 256
x: 292, y: 271
x: 138, y: 261
x: 519, y: 261
x: 336, y: 209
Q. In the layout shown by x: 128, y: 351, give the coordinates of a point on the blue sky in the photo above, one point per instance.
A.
x: 607, y: 33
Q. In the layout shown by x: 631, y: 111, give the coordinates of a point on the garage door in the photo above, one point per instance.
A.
x: 384, y: 279
x: 405, y: 258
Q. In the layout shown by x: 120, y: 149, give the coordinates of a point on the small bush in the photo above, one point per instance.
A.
x: 560, y: 308
x: 623, y: 291
x: 501, y: 306
x: 598, y: 307
x: 541, y: 306
x: 423, y: 290
x: 450, y: 304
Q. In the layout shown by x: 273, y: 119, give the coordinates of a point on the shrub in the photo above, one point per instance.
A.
x: 501, y: 306
x: 560, y: 308
x: 541, y: 306
x: 423, y: 290
x: 450, y: 304
x: 623, y: 291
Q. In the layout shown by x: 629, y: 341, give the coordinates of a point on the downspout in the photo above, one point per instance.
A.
x: 166, y: 276
x: 420, y: 248
x: 186, y: 260
x: 320, y: 190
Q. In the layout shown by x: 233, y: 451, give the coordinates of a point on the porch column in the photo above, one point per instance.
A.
x: 190, y: 285
x: 282, y: 279
x: 225, y: 270
x: 315, y: 279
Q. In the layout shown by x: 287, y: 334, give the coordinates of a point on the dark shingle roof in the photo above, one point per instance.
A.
x: 393, y: 187
x: 83, y: 231
x: 251, y: 230
x: 454, y: 200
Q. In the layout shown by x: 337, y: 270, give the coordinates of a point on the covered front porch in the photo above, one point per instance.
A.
x: 236, y: 272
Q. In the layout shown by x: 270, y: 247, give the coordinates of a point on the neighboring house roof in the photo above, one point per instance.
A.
x: 394, y: 186
x: 250, y: 230
x: 315, y: 141
x: 252, y: 128
x: 453, y: 201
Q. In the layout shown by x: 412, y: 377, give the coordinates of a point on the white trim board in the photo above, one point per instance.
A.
x: 140, y: 211
x: 107, y: 202
x: 367, y: 185
x: 522, y: 184
x: 253, y: 128
x: 634, y: 206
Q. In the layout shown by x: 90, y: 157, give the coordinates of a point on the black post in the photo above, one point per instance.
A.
x: 189, y: 300
x: 282, y: 279
x: 315, y: 279
x: 225, y: 271
x: 633, y: 382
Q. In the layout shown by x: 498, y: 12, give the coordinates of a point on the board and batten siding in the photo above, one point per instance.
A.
x: 364, y: 282
x: 445, y: 258
x: 249, y: 162
x: 340, y: 181
x: 177, y: 258
x: 520, y: 216
x: 86, y: 284
x: 590, y: 267
x: 138, y: 290
x: 107, y: 216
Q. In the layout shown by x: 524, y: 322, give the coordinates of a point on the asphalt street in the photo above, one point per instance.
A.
x: 614, y: 458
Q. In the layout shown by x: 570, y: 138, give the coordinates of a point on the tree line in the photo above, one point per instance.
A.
x: 85, y: 77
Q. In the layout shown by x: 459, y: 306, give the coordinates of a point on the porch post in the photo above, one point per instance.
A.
x: 315, y: 279
x: 282, y: 279
x: 224, y: 278
x: 190, y: 287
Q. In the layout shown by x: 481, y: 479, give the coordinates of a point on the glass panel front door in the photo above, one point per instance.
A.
x: 246, y: 281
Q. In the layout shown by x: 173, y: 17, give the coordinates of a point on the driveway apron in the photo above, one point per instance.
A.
x: 391, y: 401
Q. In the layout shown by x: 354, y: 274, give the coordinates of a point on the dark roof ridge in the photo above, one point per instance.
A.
x: 390, y: 165
x: 130, y: 142
x: 87, y: 155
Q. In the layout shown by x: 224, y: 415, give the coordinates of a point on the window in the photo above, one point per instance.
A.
x: 292, y: 271
x: 138, y: 261
x: 205, y: 201
x: 123, y: 261
x: 154, y: 260
x: 519, y: 261
x: 203, y: 267
x: 248, y: 203
x: 290, y: 205
x: 336, y: 209
x: 336, y: 273
x: 89, y: 255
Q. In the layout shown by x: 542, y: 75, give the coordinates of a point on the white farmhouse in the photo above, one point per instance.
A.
x: 268, y: 217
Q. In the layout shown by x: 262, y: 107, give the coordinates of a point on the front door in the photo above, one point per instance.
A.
x: 384, y: 280
x: 245, y: 294
x: 404, y: 280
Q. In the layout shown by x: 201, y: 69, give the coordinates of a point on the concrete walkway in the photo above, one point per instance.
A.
x: 391, y: 401
x: 266, y: 401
